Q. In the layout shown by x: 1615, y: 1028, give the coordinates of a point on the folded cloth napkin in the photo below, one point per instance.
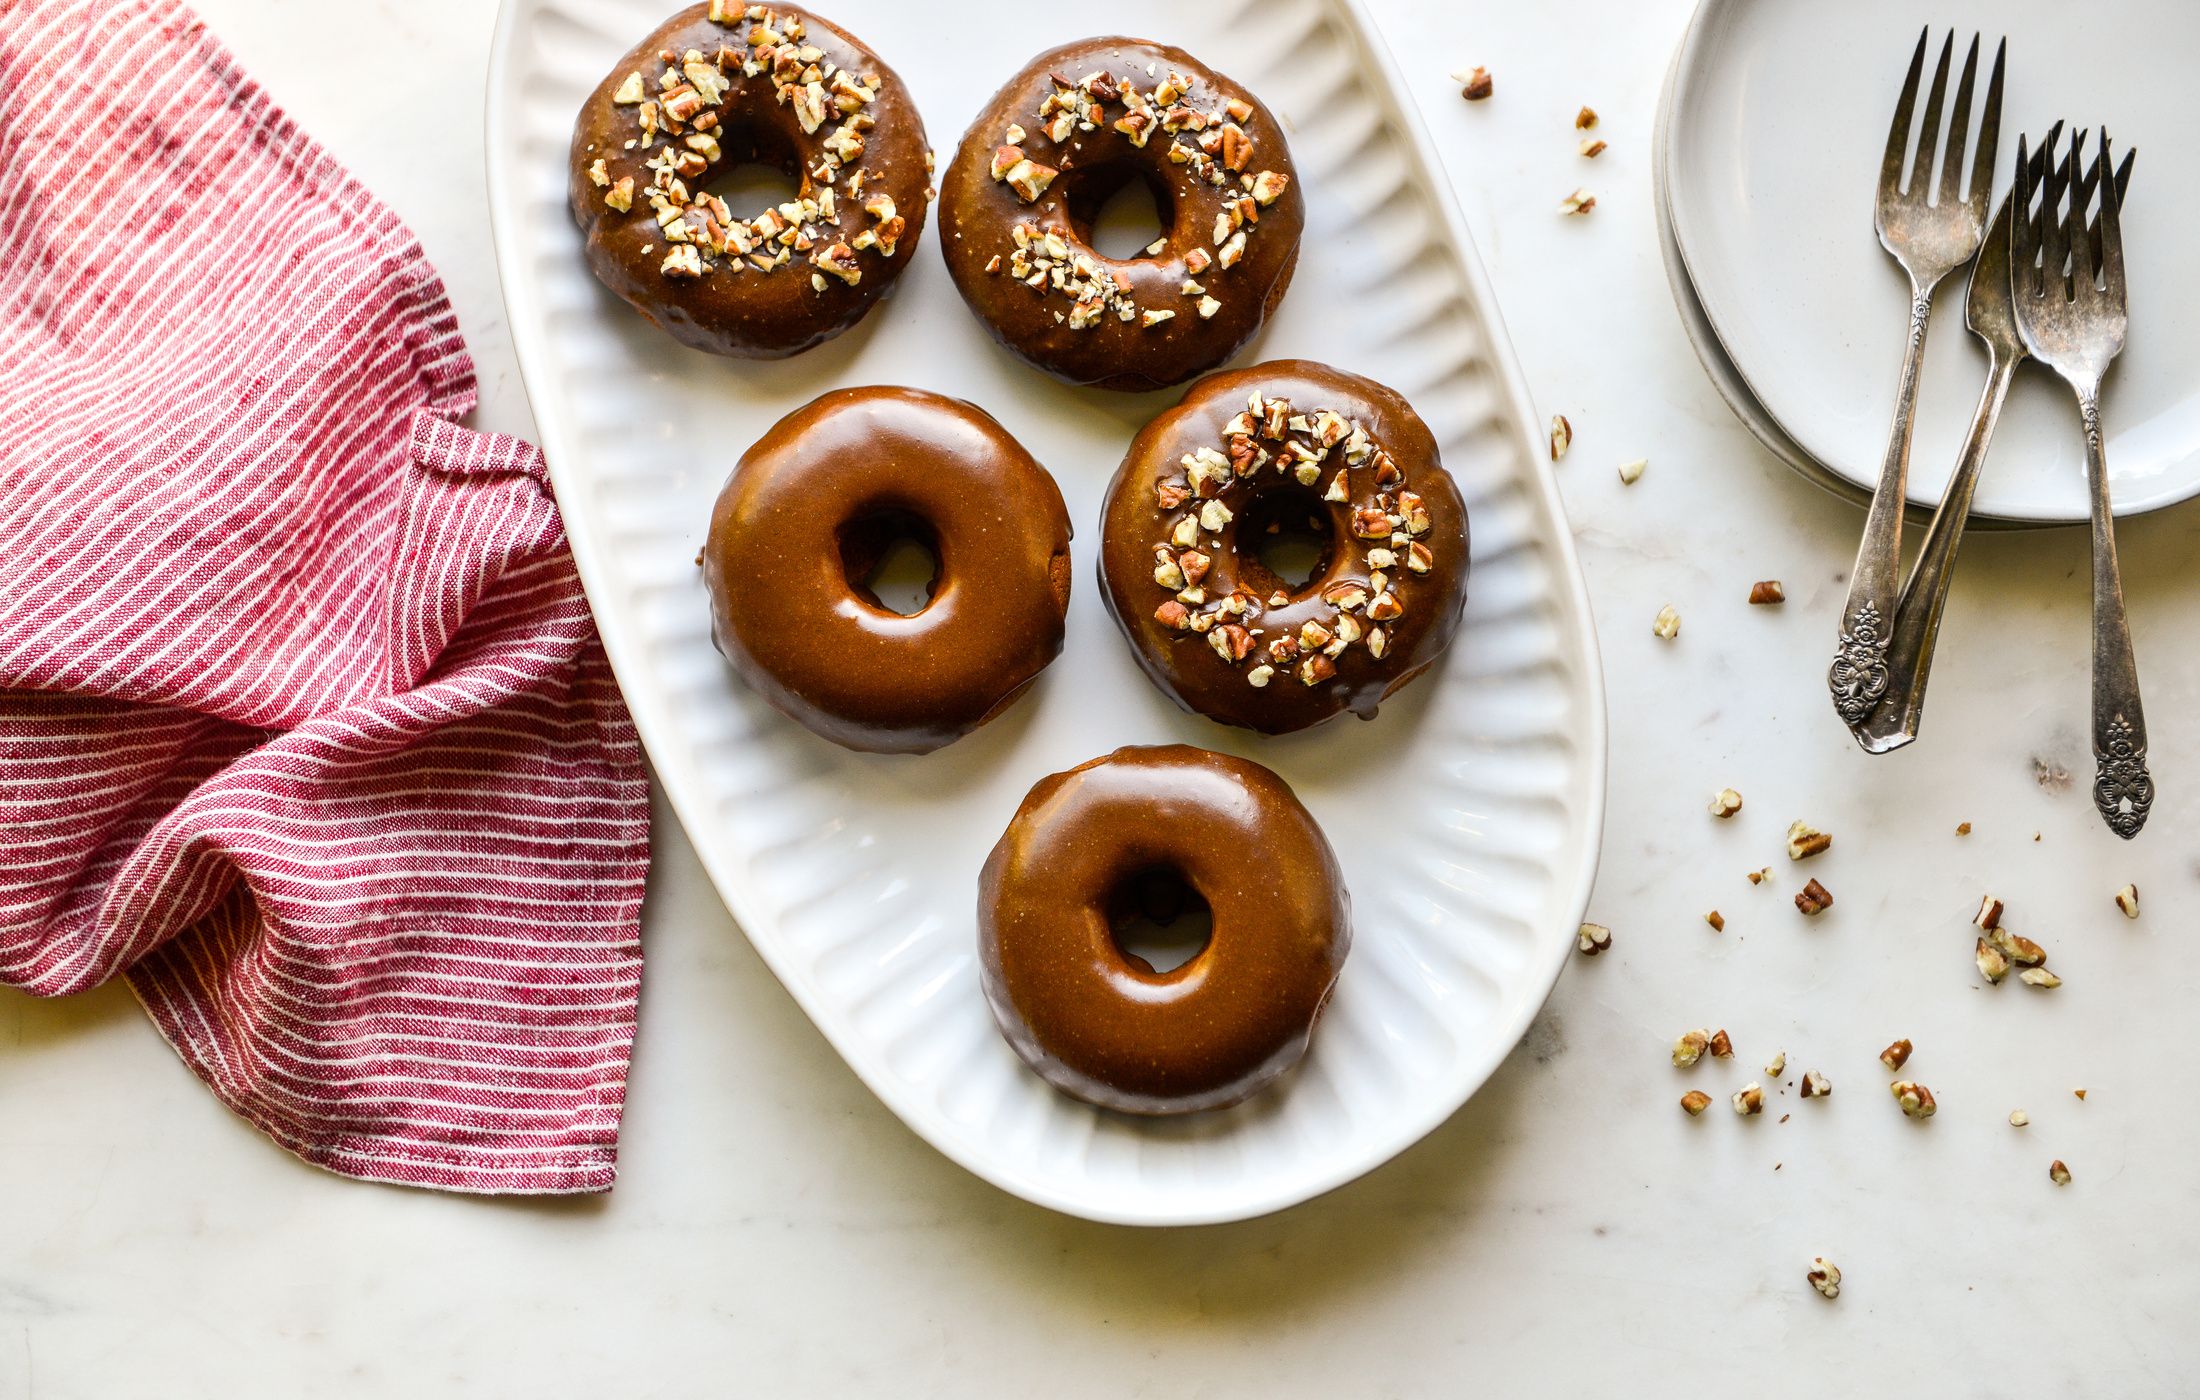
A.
x: 305, y: 728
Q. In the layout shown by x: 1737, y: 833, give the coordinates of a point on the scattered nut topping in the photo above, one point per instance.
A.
x: 1896, y: 1055
x: 1720, y: 1047
x: 1562, y: 435
x: 1749, y: 1100
x: 1824, y: 1277
x: 1805, y: 842
x: 1667, y: 623
x: 1915, y: 1098
x: 2018, y: 1118
x: 630, y: 90
x: 1816, y: 1085
x: 1593, y: 939
x: 1989, y: 912
x: 1963, y: 829
x: 1777, y: 1065
x: 1695, y: 1101
x: 1579, y: 202
x: 1591, y: 147
x: 1631, y: 472
x: 1585, y: 119
x: 1767, y: 592
x: 1814, y: 899
x: 2017, y: 948
x: 2127, y: 899
x: 1716, y: 920
x: 1758, y: 877
x: 2080, y: 1093
x: 2058, y: 1173
x: 2039, y: 977
x: 1689, y: 1048
x: 1993, y: 964
x: 1386, y: 517
x: 1725, y: 803
x: 1478, y: 86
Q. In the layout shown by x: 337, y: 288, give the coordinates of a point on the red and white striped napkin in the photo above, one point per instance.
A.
x: 305, y: 728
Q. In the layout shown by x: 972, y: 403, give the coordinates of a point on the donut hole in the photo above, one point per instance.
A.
x: 1118, y: 210
x: 1158, y: 920
x: 1286, y: 541
x: 892, y: 559
x: 753, y: 176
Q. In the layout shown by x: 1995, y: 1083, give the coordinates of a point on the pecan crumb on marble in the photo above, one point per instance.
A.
x: 1591, y: 147
x: 1767, y: 592
x: 1695, y: 1101
x: 1916, y: 1100
x: 2058, y: 1173
x: 1719, y: 1046
x: 1631, y: 472
x: 1667, y: 623
x: 1816, y: 1085
x: 1562, y: 435
x: 1688, y: 1048
x: 2018, y: 1118
x: 2127, y: 899
x: 1896, y: 1055
x: 1478, y: 85
x: 1804, y: 841
x: 1725, y: 803
x: 1824, y: 1277
x: 1749, y: 1100
x: 1577, y: 203
x: 1593, y: 939
x: 1814, y: 899
x: 1716, y: 920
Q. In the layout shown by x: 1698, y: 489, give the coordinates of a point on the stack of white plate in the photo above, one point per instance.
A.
x: 1768, y: 145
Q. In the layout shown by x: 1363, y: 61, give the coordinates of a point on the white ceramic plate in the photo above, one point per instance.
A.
x: 1719, y: 368
x: 1467, y: 817
x: 1779, y: 116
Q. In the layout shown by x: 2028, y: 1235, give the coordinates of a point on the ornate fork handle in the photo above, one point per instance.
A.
x: 1858, y: 676
x: 2123, y: 789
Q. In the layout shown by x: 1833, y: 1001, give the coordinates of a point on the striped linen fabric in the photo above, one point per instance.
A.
x: 305, y: 728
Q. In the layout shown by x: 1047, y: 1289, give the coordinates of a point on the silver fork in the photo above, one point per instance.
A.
x: 1991, y: 314
x: 2070, y: 310
x: 1932, y: 228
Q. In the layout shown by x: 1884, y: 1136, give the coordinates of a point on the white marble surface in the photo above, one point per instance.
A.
x: 777, y: 1232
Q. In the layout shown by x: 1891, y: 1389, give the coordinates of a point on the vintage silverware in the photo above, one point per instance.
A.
x: 1992, y: 317
x: 1932, y: 227
x: 2070, y: 310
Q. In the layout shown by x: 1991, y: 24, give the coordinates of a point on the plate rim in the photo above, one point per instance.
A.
x: 1687, y: 59
x: 1569, y: 596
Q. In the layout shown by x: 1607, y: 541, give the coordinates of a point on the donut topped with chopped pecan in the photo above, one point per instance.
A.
x: 1081, y: 122
x: 719, y: 86
x: 1188, y: 539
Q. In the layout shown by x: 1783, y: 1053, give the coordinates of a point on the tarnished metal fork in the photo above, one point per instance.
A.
x: 1991, y: 313
x: 1932, y: 227
x: 2070, y: 309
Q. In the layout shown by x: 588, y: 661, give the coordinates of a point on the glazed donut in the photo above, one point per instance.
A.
x: 808, y: 512
x: 1101, y: 1025
x: 719, y: 86
x: 1250, y: 452
x: 1018, y: 202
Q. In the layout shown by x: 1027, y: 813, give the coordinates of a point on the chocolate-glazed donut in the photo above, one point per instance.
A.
x: 718, y: 86
x: 808, y: 512
x: 1018, y: 201
x: 1104, y: 1027
x: 1245, y: 454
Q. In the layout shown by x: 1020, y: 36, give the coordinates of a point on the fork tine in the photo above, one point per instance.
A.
x: 2054, y: 229
x: 2024, y: 237
x: 1898, y: 135
x: 1989, y: 137
x: 2081, y: 243
x: 1959, y: 129
x: 2112, y: 228
x: 1920, y: 187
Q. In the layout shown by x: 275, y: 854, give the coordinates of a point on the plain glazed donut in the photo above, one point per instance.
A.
x: 1248, y: 453
x: 1104, y: 1027
x: 1018, y: 201
x: 722, y: 85
x: 807, y: 513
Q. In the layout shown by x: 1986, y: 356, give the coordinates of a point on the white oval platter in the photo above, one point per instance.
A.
x: 1467, y: 816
